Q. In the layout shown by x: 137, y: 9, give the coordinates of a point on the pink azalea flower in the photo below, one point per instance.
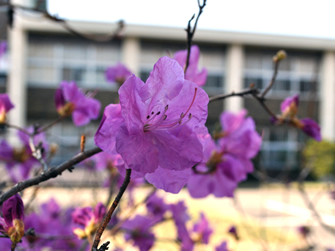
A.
x: 70, y: 100
x: 233, y: 231
x: 180, y: 217
x: 202, y: 230
x: 226, y: 163
x: 5, y: 106
x: 89, y: 219
x: 19, y: 160
x: 138, y: 230
x: 155, y: 122
x: 12, y: 222
x: 156, y: 206
x: 118, y: 73
x: 222, y: 247
x: 192, y: 72
x: 289, y: 109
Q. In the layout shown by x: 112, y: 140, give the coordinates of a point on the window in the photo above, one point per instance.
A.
x: 280, y: 147
x: 144, y: 74
x: 214, y: 83
x: 295, y: 74
x: 53, y: 60
x: 73, y: 74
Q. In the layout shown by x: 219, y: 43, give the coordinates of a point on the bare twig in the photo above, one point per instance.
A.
x: 50, y: 125
x: 266, y: 108
x: 37, y: 152
x: 234, y: 94
x: 276, y: 59
x: 31, y: 199
x: 108, y: 216
x: 313, y: 209
x: 64, y: 23
x: 251, y: 91
x: 18, y: 128
x: 51, y: 173
x: 272, y: 81
x: 303, y: 174
x: 130, y: 213
x: 190, y: 32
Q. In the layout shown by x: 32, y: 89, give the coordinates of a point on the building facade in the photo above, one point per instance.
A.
x: 42, y: 54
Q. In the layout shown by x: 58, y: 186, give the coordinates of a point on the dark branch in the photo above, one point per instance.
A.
x: 276, y: 59
x: 18, y: 128
x: 272, y: 81
x: 190, y: 32
x: 131, y: 212
x: 108, y: 216
x: 104, y: 246
x: 51, y: 173
x: 302, y: 176
x: 64, y: 23
x: 234, y: 94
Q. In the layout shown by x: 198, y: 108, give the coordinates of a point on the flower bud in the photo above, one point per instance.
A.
x: 279, y: 56
x: 53, y: 148
x: 80, y: 233
x: 5, y: 106
x: 16, y: 232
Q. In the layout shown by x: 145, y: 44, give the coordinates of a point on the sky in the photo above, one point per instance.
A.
x: 286, y: 17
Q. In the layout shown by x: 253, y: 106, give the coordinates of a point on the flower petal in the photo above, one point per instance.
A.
x: 169, y: 180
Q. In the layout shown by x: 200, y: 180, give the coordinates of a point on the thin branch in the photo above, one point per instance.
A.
x: 272, y: 81
x: 43, y: 129
x: 108, y: 216
x: 251, y: 91
x: 130, y: 213
x: 190, y: 32
x: 234, y: 94
x: 314, y: 211
x: 13, y: 246
x: 276, y: 59
x: 37, y: 151
x: 266, y: 108
x: 64, y: 23
x: 51, y: 173
x: 303, y: 174
x: 18, y: 128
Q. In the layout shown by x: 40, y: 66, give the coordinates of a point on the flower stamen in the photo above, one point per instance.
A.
x: 157, y: 125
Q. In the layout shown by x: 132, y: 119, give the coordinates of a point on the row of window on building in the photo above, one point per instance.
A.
x: 52, y: 60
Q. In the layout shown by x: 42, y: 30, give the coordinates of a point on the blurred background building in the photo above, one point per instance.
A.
x: 42, y: 54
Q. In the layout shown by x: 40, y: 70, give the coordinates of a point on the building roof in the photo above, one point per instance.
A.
x: 170, y: 33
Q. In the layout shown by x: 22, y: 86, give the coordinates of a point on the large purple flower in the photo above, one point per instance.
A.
x: 289, y: 110
x: 70, y: 100
x: 5, y: 106
x: 118, y: 73
x: 12, y: 222
x: 226, y: 163
x: 192, y: 72
x: 154, y: 125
